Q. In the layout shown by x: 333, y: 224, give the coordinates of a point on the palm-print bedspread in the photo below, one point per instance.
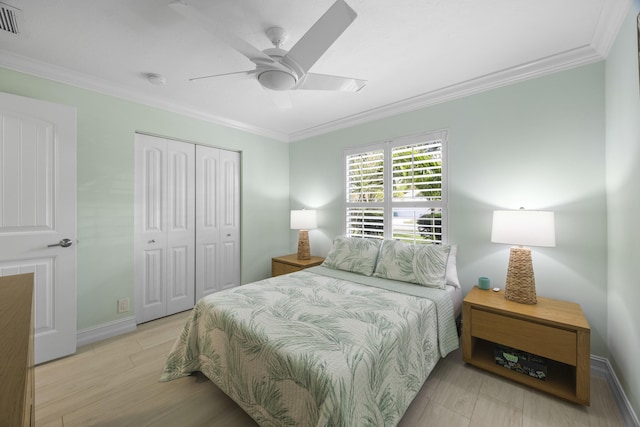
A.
x: 309, y: 349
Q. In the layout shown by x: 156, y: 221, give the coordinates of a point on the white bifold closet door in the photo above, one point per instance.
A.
x: 165, y: 227
x: 187, y: 238
x: 217, y: 220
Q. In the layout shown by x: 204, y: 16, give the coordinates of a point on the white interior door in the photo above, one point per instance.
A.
x: 38, y: 214
x: 165, y: 227
x: 217, y: 220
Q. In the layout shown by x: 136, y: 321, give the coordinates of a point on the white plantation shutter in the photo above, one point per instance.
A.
x: 365, y: 177
x: 397, y: 189
x: 417, y: 171
x: 365, y: 222
x: 415, y: 225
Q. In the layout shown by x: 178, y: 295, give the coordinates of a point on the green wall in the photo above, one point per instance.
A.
x: 537, y: 144
x: 105, y: 158
x: 623, y: 180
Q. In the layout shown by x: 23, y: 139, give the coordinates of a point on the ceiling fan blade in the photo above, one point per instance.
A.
x: 249, y: 73
x: 252, y: 53
x: 282, y: 100
x: 314, y: 81
x: 321, y: 35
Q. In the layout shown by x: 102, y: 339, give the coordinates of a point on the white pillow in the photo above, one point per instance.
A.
x: 421, y: 264
x: 452, y: 268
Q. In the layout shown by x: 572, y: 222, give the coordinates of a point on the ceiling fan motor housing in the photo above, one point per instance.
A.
x: 281, y: 78
x: 277, y: 79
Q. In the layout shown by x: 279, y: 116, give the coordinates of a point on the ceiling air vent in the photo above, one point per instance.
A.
x: 9, y: 17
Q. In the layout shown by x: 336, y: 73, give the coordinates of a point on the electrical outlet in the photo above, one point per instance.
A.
x: 123, y: 305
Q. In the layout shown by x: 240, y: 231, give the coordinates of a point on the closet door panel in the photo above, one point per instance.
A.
x: 207, y: 220
x: 209, y: 269
x: 151, y: 228
x: 180, y: 291
x: 229, y: 265
x: 153, y: 285
x: 165, y: 227
x: 229, y: 211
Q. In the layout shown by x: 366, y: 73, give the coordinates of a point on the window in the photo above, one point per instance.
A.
x: 397, y: 189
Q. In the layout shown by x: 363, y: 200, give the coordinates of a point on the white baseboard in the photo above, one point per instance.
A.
x: 106, y: 330
x: 601, y: 367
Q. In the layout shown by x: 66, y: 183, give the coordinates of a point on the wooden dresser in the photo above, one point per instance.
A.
x: 16, y: 351
x: 290, y: 263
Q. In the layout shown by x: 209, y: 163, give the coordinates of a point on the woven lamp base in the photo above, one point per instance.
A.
x: 304, y: 251
x: 521, y: 285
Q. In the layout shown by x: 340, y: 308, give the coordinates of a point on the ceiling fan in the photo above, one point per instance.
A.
x: 278, y: 69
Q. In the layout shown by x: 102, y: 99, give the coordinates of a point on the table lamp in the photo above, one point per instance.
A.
x: 523, y: 228
x: 303, y: 220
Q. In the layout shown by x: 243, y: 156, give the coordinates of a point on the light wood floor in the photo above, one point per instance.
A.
x: 115, y: 383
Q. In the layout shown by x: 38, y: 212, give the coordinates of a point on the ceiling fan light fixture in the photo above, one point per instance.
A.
x: 277, y: 79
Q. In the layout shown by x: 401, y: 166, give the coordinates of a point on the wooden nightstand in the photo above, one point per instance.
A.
x: 555, y: 330
x: 290, y: 263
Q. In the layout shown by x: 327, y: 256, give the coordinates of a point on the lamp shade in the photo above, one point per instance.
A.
x: 303, y: 220
x: 524, y: 228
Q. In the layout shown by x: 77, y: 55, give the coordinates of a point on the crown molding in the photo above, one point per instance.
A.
x: 63, y: 75
x: 611, y: 18
x: 531, y: 70
x: 542, y: 67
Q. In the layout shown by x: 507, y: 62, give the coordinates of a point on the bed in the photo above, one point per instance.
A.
x: 324, y: 346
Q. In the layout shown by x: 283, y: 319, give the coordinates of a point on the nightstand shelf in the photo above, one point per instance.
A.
x: 290, y: 263
x: 560, y: 377
x: 554, y: 330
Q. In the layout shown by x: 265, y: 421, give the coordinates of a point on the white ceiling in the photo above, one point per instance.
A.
x: 413, y: 53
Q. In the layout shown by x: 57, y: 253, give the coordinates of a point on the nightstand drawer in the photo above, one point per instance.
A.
x: 278, y: 268
x: 535, y: 338
x: 290, y: 263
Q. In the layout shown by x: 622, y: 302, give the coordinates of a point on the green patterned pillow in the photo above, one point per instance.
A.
x: 425, y: 265
x: 354, y: 254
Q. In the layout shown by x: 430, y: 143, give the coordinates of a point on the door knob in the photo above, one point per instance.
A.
x: 65, y: 243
